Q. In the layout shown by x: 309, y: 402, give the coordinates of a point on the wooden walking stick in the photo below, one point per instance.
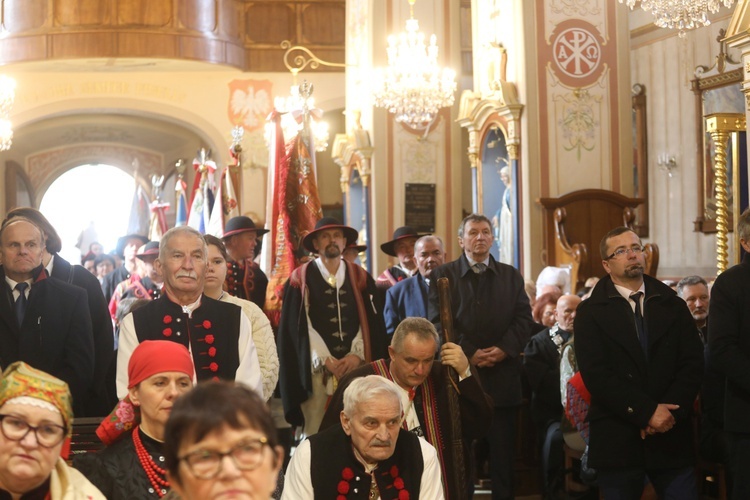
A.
x: 457, y: 469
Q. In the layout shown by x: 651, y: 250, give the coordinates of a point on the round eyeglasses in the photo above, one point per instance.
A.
x: 625, y: 251
x: 206, y: 464
x: 47, y: 435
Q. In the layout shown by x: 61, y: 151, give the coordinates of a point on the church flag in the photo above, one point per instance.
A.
x: 203, y: 193
x: 181, y: 197
x: 225, y: 205
x: 294, y: 212
x: 140, y: 213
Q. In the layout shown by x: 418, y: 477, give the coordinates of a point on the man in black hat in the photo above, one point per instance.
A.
x: 245, y: 279
x: 331, y: 322
x: 402, y: 247
x: 144, y: 283
x: 127, y: 246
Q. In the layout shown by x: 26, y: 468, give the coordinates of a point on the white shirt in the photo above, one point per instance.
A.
x: 298, y: 479
x: 248, y: 372
x: 12, y: 284
x: 627, y: 292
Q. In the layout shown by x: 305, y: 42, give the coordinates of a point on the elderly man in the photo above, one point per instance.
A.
x: 492, y: 319
x: 369, y: 455
x: 218, y: 334
x: 424, y: 392
x: 401, y: 247
x: 694, y: 291
x: 408, y: 298
x: 641, y: 359
x: 245, y: 279
x: 44, y: 321
x: 102, y: 396
x: 331, y: 322
x: 541, y: 362
x: 729, y: 346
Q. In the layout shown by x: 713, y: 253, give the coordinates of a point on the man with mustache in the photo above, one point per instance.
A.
x: 331, y: 322
x: 217, y: 334
x: 694, y: 291
x: 492, y: 324
x: 401, y: 247
x: 641, y: 358
x: 408, y: 298
x: 368, y: 455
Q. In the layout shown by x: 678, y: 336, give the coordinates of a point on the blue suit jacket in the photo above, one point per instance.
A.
x: 405, y: 299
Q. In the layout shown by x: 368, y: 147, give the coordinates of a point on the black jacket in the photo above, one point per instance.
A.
x: 102, y: 393
x: 729, y: 341
x: 55, y: 336
x: 626, y: 387
x: 489, y: 309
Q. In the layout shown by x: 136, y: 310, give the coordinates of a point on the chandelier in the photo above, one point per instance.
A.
x: 680, y: 14
x: 413, y: 86
x: 7, y: 96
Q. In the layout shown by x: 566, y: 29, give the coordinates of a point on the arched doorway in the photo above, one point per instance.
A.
x: 89, y: 203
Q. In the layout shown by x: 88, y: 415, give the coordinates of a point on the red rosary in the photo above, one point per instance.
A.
x: 156, y: 475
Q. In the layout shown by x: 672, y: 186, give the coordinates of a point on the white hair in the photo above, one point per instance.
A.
x: 366, y: 388
x: 164, y: 242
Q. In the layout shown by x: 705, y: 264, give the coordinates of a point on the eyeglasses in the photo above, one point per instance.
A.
x: 47, y: 435
x: 626, y: 251
x: 206, y: 464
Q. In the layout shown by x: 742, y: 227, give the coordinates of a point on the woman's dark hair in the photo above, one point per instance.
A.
x: 543, y: 301
x: 208, y: 407
x: 101, y: 258
x: 210, y: 239
x: 52, y: 239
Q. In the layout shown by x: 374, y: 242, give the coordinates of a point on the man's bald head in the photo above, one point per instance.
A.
x: 565, y: 312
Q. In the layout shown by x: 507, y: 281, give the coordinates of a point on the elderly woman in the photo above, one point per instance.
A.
x: 220, y: 442
x: 544, y: 309
x: 265, y: 344
x: 132, y: 466
x: 36, y: 416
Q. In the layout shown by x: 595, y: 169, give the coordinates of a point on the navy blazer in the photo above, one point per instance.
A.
x: 405, y: 299
x: 55, y: 336
x: 626, y: 386
x: 489, y: 309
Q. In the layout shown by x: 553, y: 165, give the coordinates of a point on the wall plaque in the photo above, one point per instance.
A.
x: 419, y: 207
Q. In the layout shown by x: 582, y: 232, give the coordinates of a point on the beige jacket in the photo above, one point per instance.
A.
x: 66, y: 483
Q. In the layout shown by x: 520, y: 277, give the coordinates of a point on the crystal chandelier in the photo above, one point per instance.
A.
x: 7, y: 96
x: 680, y: 14
x: 413, y: 87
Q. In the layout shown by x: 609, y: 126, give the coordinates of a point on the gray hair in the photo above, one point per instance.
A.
x: 743, y: 225
x: 429, y: 237
x: 690, y: 281
x: 421, y: 328
x: 365, y: 389
x: 164, y: 242
x: 472, y: 218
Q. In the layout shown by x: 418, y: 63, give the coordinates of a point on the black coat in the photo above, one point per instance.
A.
x: 729, y: 341
x: 102, y: 392
x: 498, y: 314
x: 541, y: 362
x: 626, y: 387
x: 55, y: 336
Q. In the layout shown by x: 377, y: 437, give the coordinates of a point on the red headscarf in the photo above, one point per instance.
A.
x: 158, y: 356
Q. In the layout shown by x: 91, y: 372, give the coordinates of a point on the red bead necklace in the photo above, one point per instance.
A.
x: 156, y: 475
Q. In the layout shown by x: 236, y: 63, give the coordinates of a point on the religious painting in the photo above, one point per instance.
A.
x: 497, y: 194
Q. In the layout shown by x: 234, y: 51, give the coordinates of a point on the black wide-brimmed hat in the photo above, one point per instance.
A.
x: 350, y: 233
x: 402, y: 233
x: 242, y: 224
x: 358, y: 248
x: 120, y: 248
x: 150, y: 249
